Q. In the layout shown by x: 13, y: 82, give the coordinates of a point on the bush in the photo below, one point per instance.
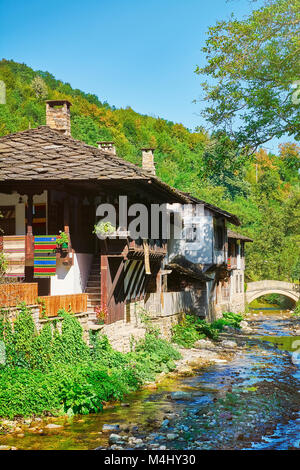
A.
x: 297, y: 308
x: 192, y: 328
x: 54, y: 371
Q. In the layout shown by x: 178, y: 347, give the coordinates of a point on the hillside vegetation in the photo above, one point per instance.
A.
x: 262, y: 189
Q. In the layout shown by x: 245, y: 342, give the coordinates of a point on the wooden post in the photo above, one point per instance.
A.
x: 66, y: 216
x: 29, y: 214
x: 104, y: 281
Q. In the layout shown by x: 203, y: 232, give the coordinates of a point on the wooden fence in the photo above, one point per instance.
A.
x: 49, y: 305
x: 14, y: 293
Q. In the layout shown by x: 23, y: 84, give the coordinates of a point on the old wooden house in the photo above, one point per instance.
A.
x: 50, y: 188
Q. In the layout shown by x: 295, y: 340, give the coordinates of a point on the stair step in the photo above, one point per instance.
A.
x: 93, y: 303
x: 92, y: 290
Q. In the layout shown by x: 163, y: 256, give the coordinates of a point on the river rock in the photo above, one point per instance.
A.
x: 165, y: 423
x: 179, y: 395
x: 185, y: 370
x: 110, y: 427
x: 116, y: 439
x: 171, y: 436
x: 203, y: 344
x: 229, y: 329
x: 297, y: 333
x: 53, y: 426
x: 228, y: 344
x: 4, y: 447
x: 244, y: 324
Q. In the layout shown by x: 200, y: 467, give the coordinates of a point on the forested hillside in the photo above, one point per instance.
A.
x: 262, y: 189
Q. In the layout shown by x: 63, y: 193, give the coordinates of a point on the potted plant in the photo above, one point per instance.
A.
x: 104, y: 229
x: 62, y: 240
x: 101, y: 314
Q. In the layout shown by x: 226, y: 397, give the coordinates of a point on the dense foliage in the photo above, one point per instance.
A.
x: 262, y: 190
x: 192, y: 328
x: 54, y: 371
x: 253, y: 71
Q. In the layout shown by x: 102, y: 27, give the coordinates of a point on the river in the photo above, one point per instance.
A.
x: 249, y: 402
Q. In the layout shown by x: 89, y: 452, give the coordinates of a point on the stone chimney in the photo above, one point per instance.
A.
x: 58, y: 115
x: 107, y: 147
x: 148, y: 160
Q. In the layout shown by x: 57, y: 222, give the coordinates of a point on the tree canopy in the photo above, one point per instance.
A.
x: 252, y: 74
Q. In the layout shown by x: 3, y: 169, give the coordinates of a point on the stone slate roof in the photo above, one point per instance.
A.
x: 44, y: 154
x: 237, y: 236
x: 233, y: 219
x: 186, y: 268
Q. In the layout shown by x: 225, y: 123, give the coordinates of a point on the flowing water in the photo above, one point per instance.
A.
x: 225, y: 403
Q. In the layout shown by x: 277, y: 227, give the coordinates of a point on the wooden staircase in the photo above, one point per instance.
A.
x: 93, y: 291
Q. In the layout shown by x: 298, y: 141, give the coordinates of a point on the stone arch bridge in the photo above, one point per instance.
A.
x: 259, y: 288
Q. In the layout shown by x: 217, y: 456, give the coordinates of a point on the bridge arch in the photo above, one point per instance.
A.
x: 260, y: 288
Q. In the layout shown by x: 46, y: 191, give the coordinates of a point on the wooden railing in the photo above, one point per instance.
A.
x: 50, y: 305
x: 14, y: 293
x: 155, y: 246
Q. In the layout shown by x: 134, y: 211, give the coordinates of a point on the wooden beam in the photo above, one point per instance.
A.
x: 115, y: 281
x: 29, y: 214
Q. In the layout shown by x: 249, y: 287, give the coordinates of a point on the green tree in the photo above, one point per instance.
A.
x: 253, y: 64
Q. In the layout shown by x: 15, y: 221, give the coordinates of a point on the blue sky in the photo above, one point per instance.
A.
x: 128, y: 52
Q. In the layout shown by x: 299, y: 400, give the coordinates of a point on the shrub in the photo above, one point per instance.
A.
x: 55, y: 371
x: 192, y: 328
x: 297, y: 309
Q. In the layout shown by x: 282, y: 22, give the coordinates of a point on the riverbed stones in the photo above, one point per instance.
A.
x: 171, y: 436
x: 180, y: 395
x: 228, y: 344
x: 204, y: 344
x: 53, y: 426
x: 110, y: 427
x: 117, y: 439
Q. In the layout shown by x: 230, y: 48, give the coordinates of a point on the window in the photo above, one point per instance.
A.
x: 191, y: 233
x: 7, y: 220
x: 242, y: 249
x: 241, y: 283
x: 219, y: 237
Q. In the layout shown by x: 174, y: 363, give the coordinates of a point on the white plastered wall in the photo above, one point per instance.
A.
x: 71, y: 279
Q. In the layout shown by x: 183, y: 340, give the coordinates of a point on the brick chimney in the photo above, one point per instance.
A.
x: 58, y: 115
x: 107, y: 147
x: 148, y: 160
